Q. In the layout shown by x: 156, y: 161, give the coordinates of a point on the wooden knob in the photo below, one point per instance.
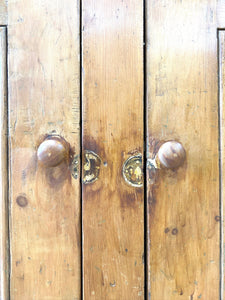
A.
x: 52, y: 151
x: 171, y: 155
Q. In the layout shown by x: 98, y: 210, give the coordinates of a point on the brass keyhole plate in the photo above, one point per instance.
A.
x: 133, y: 171
x: 91, y: 167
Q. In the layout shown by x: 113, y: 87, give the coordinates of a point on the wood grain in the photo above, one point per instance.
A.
x: 4, y: 276
x: 113, y: 211
x: 183, y: 207
x: 43, y: 77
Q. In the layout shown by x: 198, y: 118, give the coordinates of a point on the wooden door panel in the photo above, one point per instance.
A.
x: 112, y: 115
x: 182, y: 99
x: 43, y: 78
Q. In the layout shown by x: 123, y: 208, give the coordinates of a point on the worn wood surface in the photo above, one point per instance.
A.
x: 221, y: 44
x: 113, y: 211
x: 4, y: 291
x: 43, y: 74
x: 183, y: 207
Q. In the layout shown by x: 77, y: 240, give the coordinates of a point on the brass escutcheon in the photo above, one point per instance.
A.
x: 133, y: 171
x: 91, y: 166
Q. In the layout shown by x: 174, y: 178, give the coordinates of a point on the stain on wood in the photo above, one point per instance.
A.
x: 21, y: 200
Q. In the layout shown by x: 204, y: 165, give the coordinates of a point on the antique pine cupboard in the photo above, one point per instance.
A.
x: 112, y: 147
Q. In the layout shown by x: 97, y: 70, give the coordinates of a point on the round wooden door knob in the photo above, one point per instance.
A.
x: 52, y: 151
x: 171, y: 155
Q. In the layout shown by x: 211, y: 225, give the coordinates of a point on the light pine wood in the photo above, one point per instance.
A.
x: 4, y: 288
x: 113, y: 211
x: 182, y: 99
x: 43, y: 74
x: 221, y: 44
x: 183, y: 205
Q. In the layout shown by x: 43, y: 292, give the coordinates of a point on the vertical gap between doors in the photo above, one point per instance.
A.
x: 145, y: 152
x: 220, y: 136
x: 8, y: 164
x: 6, y: 225
x: 81, y: 149
x: 7, y: 160
x: 5, y: 284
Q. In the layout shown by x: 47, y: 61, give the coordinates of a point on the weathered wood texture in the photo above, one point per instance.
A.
x: 221, y: 44
x: 113, y: 231
x: 3, y: 171
x: 183, y: 208
x: 43, y: 73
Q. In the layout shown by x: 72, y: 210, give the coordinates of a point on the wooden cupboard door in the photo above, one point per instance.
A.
x: 43, y: 105
x: 181, y: 46
x: 185, y: 71
x: 112, y: 118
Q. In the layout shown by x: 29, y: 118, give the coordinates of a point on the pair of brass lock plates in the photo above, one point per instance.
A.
x: 132, y: 168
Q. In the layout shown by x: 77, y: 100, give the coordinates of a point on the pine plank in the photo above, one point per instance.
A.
x: 43, y: 72
x: 112, y: 96
x: 4, y: 288
x: 182, y: 99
